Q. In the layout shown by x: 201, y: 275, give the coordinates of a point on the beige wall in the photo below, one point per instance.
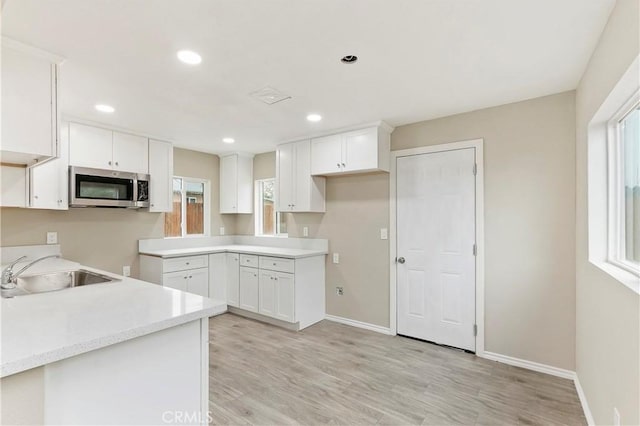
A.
x: 108, y: 238
x: 529, y: 222
x: 187, y: 163
x: 264, y: 167
x: 608, y: 313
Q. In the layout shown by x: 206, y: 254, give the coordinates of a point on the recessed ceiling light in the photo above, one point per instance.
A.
x: 105, y: 108
x: 349, y: 59
x: 314, y: 117
x: 228, y: 140
x: 189, y: 57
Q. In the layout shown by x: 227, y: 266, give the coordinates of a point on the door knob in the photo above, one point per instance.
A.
x: 400, y: 260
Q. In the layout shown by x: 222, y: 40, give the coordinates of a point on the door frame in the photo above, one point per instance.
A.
x: 478, y: 145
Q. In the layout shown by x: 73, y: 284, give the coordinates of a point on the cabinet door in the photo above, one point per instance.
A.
x: 249, y: 289
x: 267, y: 293
x: 130, y: 153
x: 233, y: 279
x: 245, y: 185
x: 161, y: 175
x: 285, y: 297
x: 49, y: 182
x: 28, y: 106
x: 90, y: 146
x: 326, y: 155
x: 218, y: 276
x: 177, y: 280
x: 198, y: 282
x: 229, y: 184
x: 285, y: 166
x: 13, y: 181
x: 360, y: 150
x: 302, y: 177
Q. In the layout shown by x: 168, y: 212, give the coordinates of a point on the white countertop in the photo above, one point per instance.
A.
x: 43, y: 328
x: 293, y: 253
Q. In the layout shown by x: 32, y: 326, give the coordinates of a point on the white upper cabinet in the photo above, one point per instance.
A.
x: 358, y: 151
x: 236, y: 183
x: 130, y: 153
x: 296, y: 189
x: 90, y: 146
x: 99, y: 148
x: 161, y: 175
x: 327, y: 155
x: 49, y: 182
x: 29, y: 104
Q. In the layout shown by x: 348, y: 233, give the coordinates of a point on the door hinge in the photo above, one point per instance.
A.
x: 475, y: 250
x: 475, y: 329
x: 475, y: 169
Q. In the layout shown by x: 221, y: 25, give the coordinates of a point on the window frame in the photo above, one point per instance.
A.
x: 616, y: 232
x: 259, y: 212
x: 183, y: 205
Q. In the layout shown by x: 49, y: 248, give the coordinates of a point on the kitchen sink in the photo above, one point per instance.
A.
x: 54, y: 281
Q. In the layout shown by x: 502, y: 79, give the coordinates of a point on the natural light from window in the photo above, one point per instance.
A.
x: 190, y: 205
x: 269, y: 222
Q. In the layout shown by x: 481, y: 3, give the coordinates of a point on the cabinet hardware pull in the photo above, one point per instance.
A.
x: 338, y: 165
x: 187, y: 263
x: 35, y: 196
x: 117, y: 163
x: 109, y: 162
x: 190, y: 276
x: 343, y: 165
x: 274, y: 264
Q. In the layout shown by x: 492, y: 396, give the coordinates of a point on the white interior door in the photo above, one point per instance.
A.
x: 435, y: 247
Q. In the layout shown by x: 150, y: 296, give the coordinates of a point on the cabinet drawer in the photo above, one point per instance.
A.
x: 277, y: 264
x: 184, y: 263
x: 249, y: 260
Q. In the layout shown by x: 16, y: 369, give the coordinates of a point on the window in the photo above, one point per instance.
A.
x: 268, y: 221
x: 613, y: 170
x: 624, y: 188
x: 190, y: 215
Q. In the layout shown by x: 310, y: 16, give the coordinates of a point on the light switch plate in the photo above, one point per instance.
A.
x: 222, y: 230
x: 52, y: 238
x: 305, y: 231
x: 126, y: 271
x: 384, y: 235
x: 336, y: 258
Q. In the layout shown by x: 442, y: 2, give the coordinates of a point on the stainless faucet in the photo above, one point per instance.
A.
x: 9, y: 278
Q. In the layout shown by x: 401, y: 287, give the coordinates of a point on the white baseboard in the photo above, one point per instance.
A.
x: 530, y: 365
x: 359, y: 324
x: 584, y: 403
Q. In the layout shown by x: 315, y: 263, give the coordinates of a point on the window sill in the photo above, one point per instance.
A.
x: 628, y: 279
x: 272, y: 236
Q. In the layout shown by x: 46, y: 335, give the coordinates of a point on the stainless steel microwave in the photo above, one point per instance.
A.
x: 107, y: 188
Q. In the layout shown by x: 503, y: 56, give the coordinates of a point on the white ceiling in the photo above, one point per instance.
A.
x: 419, y: 59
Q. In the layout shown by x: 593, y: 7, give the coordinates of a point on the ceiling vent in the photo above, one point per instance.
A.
x: 269, y: 95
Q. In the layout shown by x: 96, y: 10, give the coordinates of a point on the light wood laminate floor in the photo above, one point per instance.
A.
x: 336, y: 374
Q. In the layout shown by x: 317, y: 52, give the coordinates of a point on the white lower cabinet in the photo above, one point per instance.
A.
x: 249, y: 289
x: 267, y: 293
x: 232, y: 276
x: 285, y: 289
x: 188, y: 273
x: 289, y: 290
x: 277, y: 295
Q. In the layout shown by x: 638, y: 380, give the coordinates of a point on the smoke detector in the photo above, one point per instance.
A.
x: 269, y: 95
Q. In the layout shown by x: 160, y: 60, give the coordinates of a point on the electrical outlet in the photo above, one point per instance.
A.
x: 305, y: 231
x: 339, y: 291
x: 336, y: 258
x: 52, y: 238
x: 222, y: 230
x: 384, y: 235
x: 126, y: 271
x: 616, y: 417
